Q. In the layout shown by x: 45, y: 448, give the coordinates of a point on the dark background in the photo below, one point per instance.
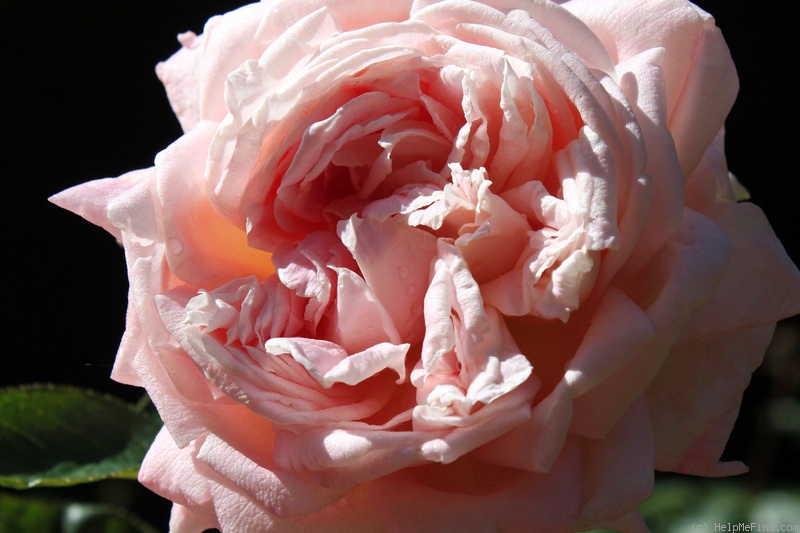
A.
x: 80, y: 100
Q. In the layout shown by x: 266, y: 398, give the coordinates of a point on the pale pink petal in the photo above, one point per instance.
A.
x: 694, y: 400
x: 680, y: 280
x: 149, y: 352
x: 237, y: 511
x: 761, y: 284
x: 187, y: 403
x: 194, y: 77
x: 705, y: 98
x: 491, y: 422
x: 305, y: 268
x: 200, y: 481
x: 658, y: 212
x: 180, y: 75
x: 328, y: 363
x: 173, y: 473
x: 559, y: 268
x: 628, y: 28
x: 471, y: 370
x: 496, y: 230
x: 536, y: 444
x: 351, y: 14
x: 711, y: 183
x: 360, y: 320
x: 619, y: 330
x: 90, y: 200
x: 699, y: 76
x: 182, y: 519
x: 267, y: 379
x: 283, y: 494
x: 129, y: 348
x: 395, y: 262
x: 344, y: 457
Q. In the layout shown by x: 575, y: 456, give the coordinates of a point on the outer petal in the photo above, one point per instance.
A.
x: 694, y: 401
x: 201, y: 247
x: 619, y: 473
x: 194, y: 77
x: 642, y: 80
x: 701, y: 82
x: 173, y: 473
x: 761, y: 284
x: 90, y: 200
x: 148, y: 353
x: 471, y: 497
x: 683, y: 276
x: 215, y: 486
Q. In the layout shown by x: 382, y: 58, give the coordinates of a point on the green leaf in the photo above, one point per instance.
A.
x: 18, y: 514
x: 52, y: 435
x: 33, y: 515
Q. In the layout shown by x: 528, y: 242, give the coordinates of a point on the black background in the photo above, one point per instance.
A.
x: 80, y: 101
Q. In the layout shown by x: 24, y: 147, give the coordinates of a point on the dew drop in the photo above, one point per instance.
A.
x: 403, y: 271
x: 411, y: 290
x: 175, y: 246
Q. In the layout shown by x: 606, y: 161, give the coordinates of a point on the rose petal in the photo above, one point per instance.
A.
x: 201, y: 247
x: 194, y: 77
x: 761, y: 284
x: 692, y: 426
x: 90, y: 200
x: 488, y: 497
x: 389, y: 251
x: 619, y: 471
x: 687, y: 271
x: 173, y: 473
x: 699, y: 76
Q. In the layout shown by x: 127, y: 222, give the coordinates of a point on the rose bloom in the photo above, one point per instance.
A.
x: 441, y: 265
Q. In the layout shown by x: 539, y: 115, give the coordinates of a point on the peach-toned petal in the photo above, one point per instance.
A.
x: 695, y: 399
x: 684, y: 274
x: 619, y: 471
x: 201, y: 248
x: 760, y: 286
x: 487, y: 497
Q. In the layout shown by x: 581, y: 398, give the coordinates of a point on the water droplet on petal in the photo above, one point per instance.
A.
x: 411, y: 290
x: 403, y: 271
x: 175, y: 246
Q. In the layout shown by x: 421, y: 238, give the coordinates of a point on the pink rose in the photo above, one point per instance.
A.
x: 441, y: 265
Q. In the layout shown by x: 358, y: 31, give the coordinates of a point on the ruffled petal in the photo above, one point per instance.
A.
x: 194, y: 77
